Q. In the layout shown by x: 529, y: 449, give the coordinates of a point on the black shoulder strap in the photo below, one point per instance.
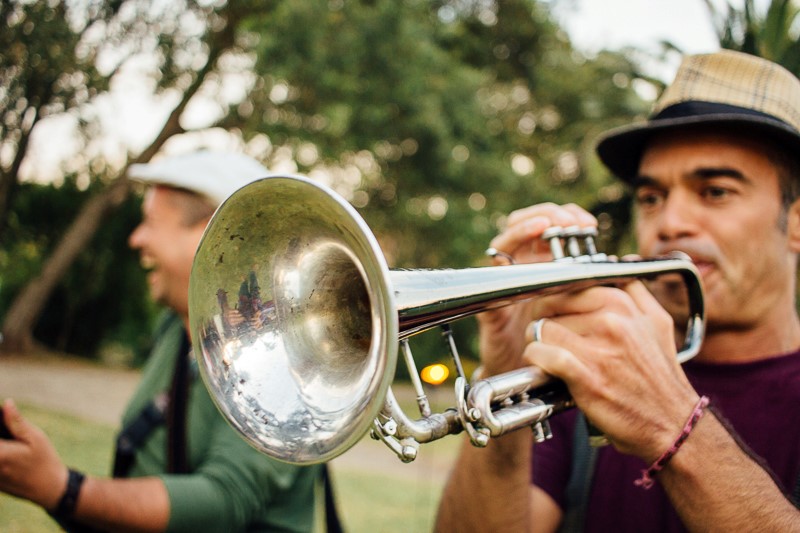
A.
x: 177, y: 456
x: 796, y: 493
x: 332, y: 522
x: 584, y: 457
x: 169, y: 408
x: 134, y: 434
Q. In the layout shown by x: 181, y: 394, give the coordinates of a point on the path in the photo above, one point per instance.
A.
x: 99, y: 394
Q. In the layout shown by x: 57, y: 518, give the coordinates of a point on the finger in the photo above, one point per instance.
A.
x: 582, y: 324
x: 520, y: 234
x: 643, y: 298
x: 553, y: 332
x: 585, y: 301
x: 558, y: 215
x: 525, y: 227
x: 557, y: 361
x: 15, y: 422
x: 583, y: 218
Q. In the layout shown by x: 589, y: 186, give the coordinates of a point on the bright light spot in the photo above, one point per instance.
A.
x: 435, y: 374
x: 409, y: 146
x: 568, y: 166
x: 360, y: 199
x: 477, y: 201
x: 527, y: 124
x: 487, y: 17
x: 522, y: 164
x: 437, y: 208
x: 460, y: 153
x: 279, y: 93
x: 520, y: 94
x: 307, y: 154
x: 645, y: 89
x: 620, y: 80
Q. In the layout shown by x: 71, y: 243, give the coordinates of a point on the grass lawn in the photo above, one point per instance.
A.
x: 84, y: 445
x: 368, y: 500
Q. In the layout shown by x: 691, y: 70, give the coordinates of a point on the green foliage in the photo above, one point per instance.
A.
x: 432, y: 103
x: 771, y: 34
x: 445, y: 116
x: 103, y: 298
x: 435, y: 119
x: 58, y: 56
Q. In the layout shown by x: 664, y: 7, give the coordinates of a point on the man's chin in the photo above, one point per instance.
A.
x: 156, y: 294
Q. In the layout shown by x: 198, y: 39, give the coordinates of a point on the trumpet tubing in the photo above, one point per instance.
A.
x: 296, y: 321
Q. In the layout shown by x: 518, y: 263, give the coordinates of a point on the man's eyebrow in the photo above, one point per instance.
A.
x: 643, y: 181
x: 716, y: 172
x: 702, y: 173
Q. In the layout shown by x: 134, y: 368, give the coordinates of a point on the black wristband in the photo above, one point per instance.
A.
x: 68, y: 502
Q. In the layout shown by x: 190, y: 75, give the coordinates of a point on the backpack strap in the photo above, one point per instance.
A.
x: 584, y: 458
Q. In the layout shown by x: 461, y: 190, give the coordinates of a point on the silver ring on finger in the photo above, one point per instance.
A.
x: 537, y: 330
x: 495, y: 253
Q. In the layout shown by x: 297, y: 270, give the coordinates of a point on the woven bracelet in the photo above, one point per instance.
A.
x: 646, y: 481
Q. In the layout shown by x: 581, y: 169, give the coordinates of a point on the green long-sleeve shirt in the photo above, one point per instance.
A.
x: 231, y: 487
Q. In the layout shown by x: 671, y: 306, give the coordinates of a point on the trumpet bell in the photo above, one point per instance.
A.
x: 295, y: 337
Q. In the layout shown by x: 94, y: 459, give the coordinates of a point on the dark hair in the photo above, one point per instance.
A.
x: 788, y: 167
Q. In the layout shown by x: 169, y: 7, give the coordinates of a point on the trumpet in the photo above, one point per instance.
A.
x: 301, y: 364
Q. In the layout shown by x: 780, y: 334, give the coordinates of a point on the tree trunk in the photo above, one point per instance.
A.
x: 24, y: 313
x: 28, y: 305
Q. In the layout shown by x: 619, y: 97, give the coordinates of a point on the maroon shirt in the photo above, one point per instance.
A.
x: 761, y: 400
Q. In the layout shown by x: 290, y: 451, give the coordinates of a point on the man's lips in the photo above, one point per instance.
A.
x: 701, y: 254
x: 704, y: 267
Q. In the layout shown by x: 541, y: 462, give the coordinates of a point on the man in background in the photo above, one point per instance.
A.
x: 179, y: 465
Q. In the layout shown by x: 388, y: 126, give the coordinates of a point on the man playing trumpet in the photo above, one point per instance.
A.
x: 712, y: 444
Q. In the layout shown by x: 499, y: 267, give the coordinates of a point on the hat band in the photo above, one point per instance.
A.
x: 697, y: 108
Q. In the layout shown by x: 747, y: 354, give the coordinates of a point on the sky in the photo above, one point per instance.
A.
x: 597, y: 24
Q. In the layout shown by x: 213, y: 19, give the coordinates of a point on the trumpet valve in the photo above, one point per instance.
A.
x: 541, y: 431
x: 571, y: 236
x: 553, y: 235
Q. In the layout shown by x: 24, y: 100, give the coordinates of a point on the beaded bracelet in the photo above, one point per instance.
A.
x: 646, y: 481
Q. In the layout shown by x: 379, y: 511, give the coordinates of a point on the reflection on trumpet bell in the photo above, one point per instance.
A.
x: 301, y: 365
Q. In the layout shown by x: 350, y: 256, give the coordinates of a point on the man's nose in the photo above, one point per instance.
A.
x: 135, y: 238
x: 678, y: 218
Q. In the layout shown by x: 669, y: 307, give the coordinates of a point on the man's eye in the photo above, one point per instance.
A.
x: 716, y: 193
x: 648, y: 199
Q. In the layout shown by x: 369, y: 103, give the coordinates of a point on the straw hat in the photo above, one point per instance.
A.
x: 732, y: 89
x: 215, y: 175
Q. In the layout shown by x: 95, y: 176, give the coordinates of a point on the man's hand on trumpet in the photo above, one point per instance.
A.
x: 614, y: 348
x: 502, y: 331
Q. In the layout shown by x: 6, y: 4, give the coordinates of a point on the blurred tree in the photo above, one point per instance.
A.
x: 434, y: 119
x: 104, y: 291
x: 63, y: 74
x: 771, y: 34
x: 40, y: 77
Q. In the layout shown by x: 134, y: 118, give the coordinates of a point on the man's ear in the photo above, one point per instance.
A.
x: 793, y: 226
